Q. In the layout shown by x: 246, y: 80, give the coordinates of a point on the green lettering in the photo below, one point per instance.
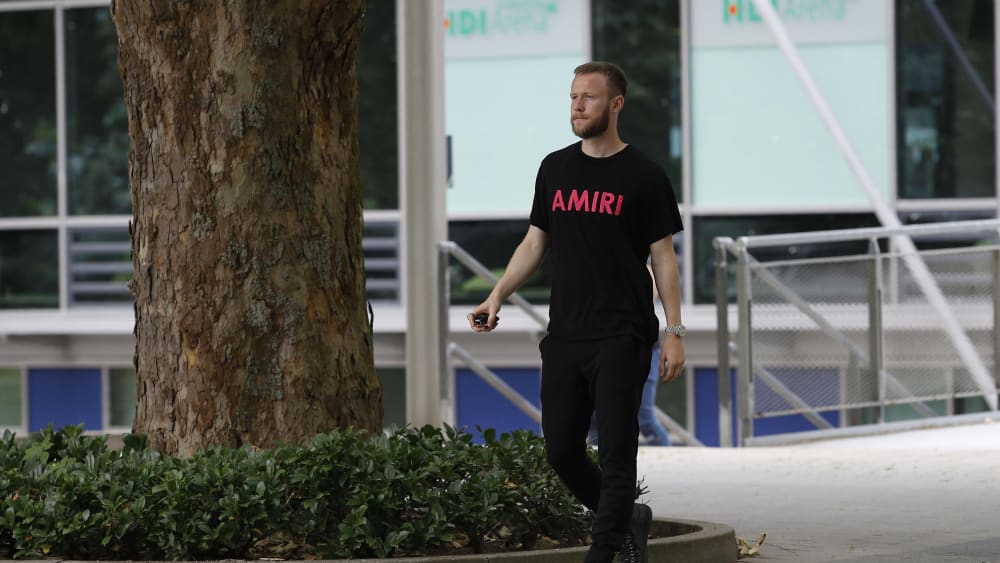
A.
x: 790, y: 11
x: 838, y: 9
x: 466, y: 22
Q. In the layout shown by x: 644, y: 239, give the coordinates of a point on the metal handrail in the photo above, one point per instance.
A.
x: 842, y: 235
x: 494, y: 381
x: 477, y: 267
x: 827, y: 327
x: 739, y: 248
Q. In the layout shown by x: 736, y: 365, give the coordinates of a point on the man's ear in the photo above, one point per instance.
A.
x: 618, y: 103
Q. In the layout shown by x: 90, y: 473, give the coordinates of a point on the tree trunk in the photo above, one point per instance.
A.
x: 251, y: 318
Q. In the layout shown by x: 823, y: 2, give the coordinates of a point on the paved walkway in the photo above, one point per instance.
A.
x: 922, y: 496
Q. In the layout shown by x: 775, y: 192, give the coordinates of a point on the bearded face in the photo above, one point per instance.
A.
x: 589, y: 126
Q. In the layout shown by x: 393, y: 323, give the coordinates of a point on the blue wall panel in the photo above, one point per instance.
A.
x: 813, y: 385
x: 706, y: 405
x: 64, y: 397
x: 478, y: 404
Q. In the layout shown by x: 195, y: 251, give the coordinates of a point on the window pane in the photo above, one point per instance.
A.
x: 377, y: 107
x: 10, y: 397
x: 644, y: 38
x: 945, y: 98
x: 122, y: 392
x: 29, y: 269
x: 710, y: 227
x: 492, y: 243
x: 393, y: 397
x: 97, y: 134
x: 963, y: 276
x: 672, y: 400
x: 27, y: 114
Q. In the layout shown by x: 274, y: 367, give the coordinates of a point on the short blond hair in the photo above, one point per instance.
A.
x: 617, y: 81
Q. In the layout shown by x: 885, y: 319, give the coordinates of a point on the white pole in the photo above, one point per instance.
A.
x: 62, y: 159
x: 884, y: 213
x: 420, y: 56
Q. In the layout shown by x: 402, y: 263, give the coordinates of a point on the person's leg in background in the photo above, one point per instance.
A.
x: 650, y: 427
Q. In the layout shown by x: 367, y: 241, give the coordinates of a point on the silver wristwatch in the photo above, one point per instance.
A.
x: 679, y: 330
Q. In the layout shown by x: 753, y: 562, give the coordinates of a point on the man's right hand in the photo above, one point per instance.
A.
x: 488, y: 309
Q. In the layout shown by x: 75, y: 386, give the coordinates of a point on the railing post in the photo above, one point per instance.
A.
x: 744, y: 387
x: 875, y: 336
x: 722, y: 340
x: 996, y: 317
x: 851, y: 391
x: 448, y: 405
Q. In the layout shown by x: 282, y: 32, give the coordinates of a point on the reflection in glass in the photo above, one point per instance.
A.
x: 672, y: 400
x: 27, y: 114
x: 736, y: 226
x: 961, y: 263
x: 29, y: 269
x: 121, y: 383
x: 10, y: 397
x: 97, y: 128
x: 492, y: 243
x: 393, y: 397
x: 644, y: 38
x: 944, y: 93
x: 377, y: 107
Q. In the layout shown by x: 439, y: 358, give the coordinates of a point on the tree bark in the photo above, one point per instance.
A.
x: 251, y: 318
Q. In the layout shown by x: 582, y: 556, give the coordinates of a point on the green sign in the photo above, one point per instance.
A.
x: 744, y: 11
x: 508, y: 17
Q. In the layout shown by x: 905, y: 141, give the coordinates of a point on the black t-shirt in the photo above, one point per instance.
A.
x: 601, y: 215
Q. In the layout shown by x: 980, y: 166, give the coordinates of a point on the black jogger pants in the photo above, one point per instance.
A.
x: 602, y: 377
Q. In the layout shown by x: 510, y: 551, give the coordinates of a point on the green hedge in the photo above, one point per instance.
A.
x: 416, y: 491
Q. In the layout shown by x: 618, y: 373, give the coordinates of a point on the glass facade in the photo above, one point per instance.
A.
x: 97, y: 125
x: 492, y: 243
x: 748, y: 225
x: 121, y: 397
x: 393, y: 396
x: 377, y: 107
x: 10, y: 397
x: 644, y: 38
x: 945, y: 99
x: 507, y: 73
x: 757, y: 139
x: 27, y: 115
x: 944, y: 59
x: 29, y: 269
x: 912, y: 83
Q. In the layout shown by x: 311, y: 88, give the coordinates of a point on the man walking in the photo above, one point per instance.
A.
x: 601, y: 208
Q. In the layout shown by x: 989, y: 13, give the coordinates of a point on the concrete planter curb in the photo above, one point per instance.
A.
x: 685, y: 541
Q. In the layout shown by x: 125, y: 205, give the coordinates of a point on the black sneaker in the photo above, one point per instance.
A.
x: 634, y: 548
